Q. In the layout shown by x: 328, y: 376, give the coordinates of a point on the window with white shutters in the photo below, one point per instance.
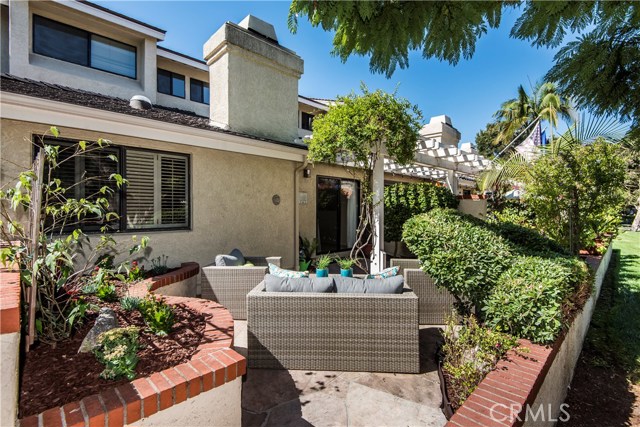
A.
x: 157, y: 195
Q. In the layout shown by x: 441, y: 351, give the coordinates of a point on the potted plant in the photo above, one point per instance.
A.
x: 346, y: 265
x: 322, y: 265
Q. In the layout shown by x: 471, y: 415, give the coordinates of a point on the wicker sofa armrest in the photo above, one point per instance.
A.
x: 404, y: 263
x: 229, y: 286
x: 436, y: 303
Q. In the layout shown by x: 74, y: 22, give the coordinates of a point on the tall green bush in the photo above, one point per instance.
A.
x: 577, y: 196
x: 458, y: 252
x: 405, y: 200
x: 533, y: 296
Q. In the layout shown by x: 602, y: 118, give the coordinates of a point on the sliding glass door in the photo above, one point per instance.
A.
x: 337, y: 212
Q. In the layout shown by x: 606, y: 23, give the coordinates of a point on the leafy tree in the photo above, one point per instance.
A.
x: 53, y: 264
x: 577, y: 195
x: 355, y: 132
x: 487, y: 142
x: 601, y: 69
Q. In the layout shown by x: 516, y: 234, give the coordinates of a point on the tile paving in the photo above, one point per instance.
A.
x: 322, y: 398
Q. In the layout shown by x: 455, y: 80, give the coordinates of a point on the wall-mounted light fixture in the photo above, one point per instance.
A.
x: 306, y: 173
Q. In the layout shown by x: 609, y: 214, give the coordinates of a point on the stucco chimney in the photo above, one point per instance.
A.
x: 253, y: 80
x: 441, y: 129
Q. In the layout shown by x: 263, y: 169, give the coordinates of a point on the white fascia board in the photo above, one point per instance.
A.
x: 313, y: 104
x: 181, y: 59
x: 44, y: 111
x: 109, y: 17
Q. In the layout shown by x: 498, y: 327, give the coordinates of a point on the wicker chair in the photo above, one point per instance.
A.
x: 333, y: 331
x: 230, y: 285
x: 435, y: 303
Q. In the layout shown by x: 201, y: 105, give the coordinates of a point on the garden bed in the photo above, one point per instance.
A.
x: 60, y: 375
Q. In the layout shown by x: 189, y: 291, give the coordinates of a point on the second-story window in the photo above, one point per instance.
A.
x: 67, y: 43
x: 170, y: 83
x: 307, y: 121
x: 199, y: 91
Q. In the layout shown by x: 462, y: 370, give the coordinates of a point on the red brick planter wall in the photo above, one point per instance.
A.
x: 213, y: 364
x: 9, y: 302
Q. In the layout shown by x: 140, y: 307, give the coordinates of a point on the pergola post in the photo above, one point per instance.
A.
x: 452, y: 182
x: 377, y: 255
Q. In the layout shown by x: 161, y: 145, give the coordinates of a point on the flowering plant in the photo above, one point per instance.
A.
x: 135, y: 272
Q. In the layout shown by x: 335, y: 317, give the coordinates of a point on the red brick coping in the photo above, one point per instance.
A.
x: 502, y: 398
x: 186, y: 271
x: 9, y: 301
x: 213, y: 364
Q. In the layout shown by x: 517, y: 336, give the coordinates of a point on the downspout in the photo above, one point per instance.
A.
x: 296, y: 213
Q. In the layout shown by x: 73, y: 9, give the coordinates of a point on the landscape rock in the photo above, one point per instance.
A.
x: 106, y: 321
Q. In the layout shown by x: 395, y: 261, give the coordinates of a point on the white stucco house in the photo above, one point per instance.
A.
x: 218, y: 161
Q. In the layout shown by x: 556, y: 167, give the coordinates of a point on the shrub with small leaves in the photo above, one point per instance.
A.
x: 157, y: 314
x: 129, y: 303
x: 159, y: 265
x: 100, y: 284
x: 533, y: 297
x: 458, y: 252
x: 469, y: 353
x: 117, y: 351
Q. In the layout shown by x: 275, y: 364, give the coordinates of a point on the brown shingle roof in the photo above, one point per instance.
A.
x: 54, y: 92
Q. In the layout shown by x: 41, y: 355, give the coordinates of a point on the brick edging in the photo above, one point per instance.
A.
x: 9, y: 301
x: 186, y: 271
x: 213, y: 364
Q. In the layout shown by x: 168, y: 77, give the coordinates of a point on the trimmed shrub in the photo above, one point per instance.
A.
x: 459, y: 252
x: 526, y: 239
x: 533, y: 297
x: 403, y: 201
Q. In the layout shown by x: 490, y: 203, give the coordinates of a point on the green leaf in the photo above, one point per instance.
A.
x: 54, y: 131
x: 83, y: 145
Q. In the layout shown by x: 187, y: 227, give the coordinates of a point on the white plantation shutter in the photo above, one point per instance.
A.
x: 173, y: 183
x: 157, y: 193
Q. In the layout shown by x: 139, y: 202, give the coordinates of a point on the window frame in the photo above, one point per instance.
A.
x: 202, y: 85
x: 122, y: 194
x: 89, y: 39
x: 302, y: 121
x: 171, y: 76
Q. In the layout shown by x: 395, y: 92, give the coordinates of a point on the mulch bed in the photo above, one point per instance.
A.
x: 56, y: 376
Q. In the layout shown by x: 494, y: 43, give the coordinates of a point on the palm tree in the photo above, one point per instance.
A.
x: 544, y: 102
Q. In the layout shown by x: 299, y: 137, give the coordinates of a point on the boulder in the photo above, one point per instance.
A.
x: 106, y: 321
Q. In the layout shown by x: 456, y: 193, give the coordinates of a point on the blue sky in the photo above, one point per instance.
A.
x: 469, y: 92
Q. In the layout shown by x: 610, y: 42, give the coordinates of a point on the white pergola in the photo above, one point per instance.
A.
x: 437, y: 157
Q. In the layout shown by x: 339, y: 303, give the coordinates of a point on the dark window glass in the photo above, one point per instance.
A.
x: 177, y: 85
x: 170, y: 83
x: 60, y: 41
x: 67, y: 43
x: 307, y: 121
x: 164, y: 81
x: 199, y: 91
x: 337, y: 213
x: 83, y: 175
x: 115, y: 57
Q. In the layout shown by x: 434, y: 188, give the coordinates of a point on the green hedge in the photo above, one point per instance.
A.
x: 529, y: 297
x: 519, y: 281
x: 458, y: 252
x: 403, y: 201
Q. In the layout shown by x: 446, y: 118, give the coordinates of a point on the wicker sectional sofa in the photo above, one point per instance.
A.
x: 333, y: 331
x: 435, y: 303
x: 230, y: 285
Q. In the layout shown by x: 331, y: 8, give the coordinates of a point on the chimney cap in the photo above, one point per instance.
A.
x: 257, y: 25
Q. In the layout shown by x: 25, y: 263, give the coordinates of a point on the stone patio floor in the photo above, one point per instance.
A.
x: 311, y: 398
